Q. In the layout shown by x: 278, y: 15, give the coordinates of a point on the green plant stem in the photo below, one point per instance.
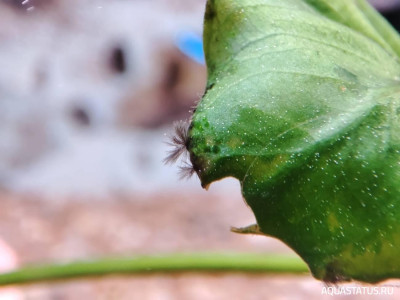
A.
x: 249, y: 263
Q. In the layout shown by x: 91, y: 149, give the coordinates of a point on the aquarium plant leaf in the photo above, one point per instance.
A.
x: 302, y: 106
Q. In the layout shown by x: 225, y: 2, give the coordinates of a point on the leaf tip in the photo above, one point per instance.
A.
x: 179, y: 142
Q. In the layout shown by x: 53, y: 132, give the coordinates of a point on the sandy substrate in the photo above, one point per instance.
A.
x: 43, y: 230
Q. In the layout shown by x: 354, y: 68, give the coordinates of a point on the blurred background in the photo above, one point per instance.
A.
x: 89, y: 91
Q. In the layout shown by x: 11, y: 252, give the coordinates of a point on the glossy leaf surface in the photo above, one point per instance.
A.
x: 302, y: 107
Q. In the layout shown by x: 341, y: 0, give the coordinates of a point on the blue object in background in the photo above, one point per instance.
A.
x: 191, y: 45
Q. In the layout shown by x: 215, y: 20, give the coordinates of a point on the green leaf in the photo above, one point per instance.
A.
x: 302, y: 107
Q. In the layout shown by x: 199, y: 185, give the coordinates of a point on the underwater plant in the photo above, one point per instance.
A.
x: 302, y: 106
